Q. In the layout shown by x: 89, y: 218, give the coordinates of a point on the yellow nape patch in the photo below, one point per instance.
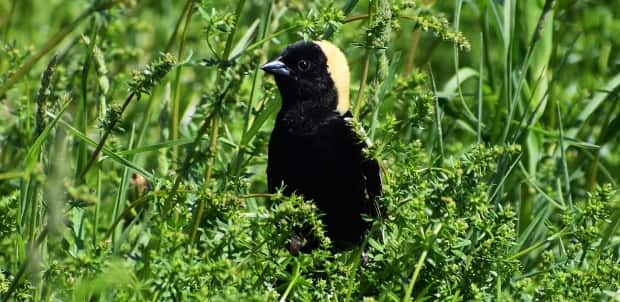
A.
x: 339, y: 70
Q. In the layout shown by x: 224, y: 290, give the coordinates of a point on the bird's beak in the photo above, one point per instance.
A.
x: 276, y: 67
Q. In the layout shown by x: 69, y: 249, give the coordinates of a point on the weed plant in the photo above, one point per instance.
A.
x: 133, y: 139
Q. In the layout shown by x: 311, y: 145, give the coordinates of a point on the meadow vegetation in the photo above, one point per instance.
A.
x: 133, y: 137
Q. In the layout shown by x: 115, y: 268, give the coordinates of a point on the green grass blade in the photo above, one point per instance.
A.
x: 112, y: 155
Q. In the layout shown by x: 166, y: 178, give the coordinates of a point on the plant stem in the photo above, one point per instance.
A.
x: 25, y: 265
x: 214, y: 126
x: 208, y: 171
x: 178, y: 25
x: 192, y: 147
x: 99, y: 147
x: 7, y: 25
x: 347, y: 9
x: 360, y: 92
x: 53, y: 42
x: 176, y: 102
x: 419, y: 265
x: 83, y: 109
x: 266, y: 21
x: 355, y: 18
x: 412, y: 51
x: 296, y: 275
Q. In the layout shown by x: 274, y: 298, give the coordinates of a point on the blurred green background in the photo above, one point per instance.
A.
x: 129, y: 174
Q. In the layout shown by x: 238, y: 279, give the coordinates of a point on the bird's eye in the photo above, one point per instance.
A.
x: 303, y: 65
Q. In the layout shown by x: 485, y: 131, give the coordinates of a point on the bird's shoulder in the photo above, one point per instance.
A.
x: 309, y: 120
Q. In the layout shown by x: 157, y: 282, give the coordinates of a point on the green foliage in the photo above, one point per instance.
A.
x: 500, y: 164
x: 142, y: 82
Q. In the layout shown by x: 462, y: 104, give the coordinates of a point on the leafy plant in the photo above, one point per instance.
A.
x: 493, y: 122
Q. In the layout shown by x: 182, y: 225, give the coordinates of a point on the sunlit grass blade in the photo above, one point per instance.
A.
x: 566, y: 178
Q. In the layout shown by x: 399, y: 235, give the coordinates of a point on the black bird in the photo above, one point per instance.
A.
x: 314, y: 150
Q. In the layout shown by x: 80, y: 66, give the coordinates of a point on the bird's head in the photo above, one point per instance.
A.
x: 312, y: 71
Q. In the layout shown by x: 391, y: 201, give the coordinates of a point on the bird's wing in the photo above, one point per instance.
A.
x: 275, y: 160
x: 271, y: 180
x: 372, y: 179
x: 369, y: 167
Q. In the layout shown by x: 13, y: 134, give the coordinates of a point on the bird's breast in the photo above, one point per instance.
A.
x: 314, y: 162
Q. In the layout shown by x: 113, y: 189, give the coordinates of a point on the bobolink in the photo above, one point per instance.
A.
x: 314, y: 149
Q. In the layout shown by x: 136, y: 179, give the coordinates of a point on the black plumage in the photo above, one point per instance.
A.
x: 314, y: 149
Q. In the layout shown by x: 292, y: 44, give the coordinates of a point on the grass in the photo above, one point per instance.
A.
x: 134, y: 136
